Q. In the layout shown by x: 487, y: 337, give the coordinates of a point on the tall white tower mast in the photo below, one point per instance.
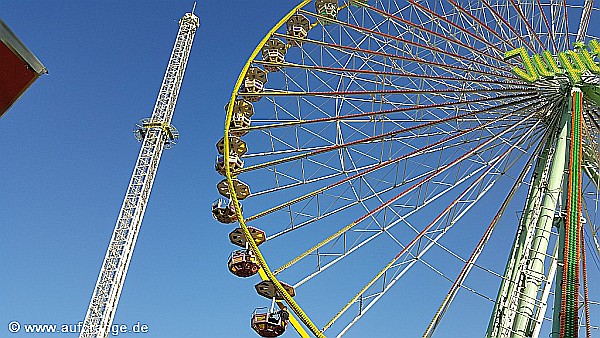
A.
x: 156, y: 133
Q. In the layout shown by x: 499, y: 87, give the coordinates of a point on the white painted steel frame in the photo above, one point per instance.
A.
x: 335, y: 70
x: 109, y: 285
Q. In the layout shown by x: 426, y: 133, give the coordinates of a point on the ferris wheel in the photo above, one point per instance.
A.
x: 418, y: 167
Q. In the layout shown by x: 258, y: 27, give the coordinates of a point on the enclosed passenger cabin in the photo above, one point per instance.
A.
x: 224, y: 211
x: 328, y: 9
x: 235, y: 164
x: 239, y: 124
x: 242, y: 112
x: 267, y: 289
x: 242, y: 190
x: 243, y: 263
x: 269, y: 323
x: 297, y: 27
x: 254, y: 83
x: 238, y: 238
x: 273, y: 51
x: 242, y: 107
x: 236, y: 146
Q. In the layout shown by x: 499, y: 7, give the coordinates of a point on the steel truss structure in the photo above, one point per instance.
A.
x: 379, y: 147
x: 155, y: 133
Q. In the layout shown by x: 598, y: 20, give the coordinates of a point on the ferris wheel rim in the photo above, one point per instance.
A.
x: 266, y: 273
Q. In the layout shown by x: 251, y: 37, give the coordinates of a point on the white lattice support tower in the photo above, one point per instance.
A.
x: 155, y: 133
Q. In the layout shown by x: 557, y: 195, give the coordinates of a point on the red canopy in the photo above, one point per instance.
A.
x: 19, y: 68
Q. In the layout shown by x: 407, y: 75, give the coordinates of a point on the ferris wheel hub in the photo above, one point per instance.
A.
x: 362, y: 96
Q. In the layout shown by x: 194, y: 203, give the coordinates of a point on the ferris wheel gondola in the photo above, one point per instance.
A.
x: 387, y: 143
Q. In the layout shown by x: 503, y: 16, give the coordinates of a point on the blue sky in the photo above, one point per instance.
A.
x: 68, y: 153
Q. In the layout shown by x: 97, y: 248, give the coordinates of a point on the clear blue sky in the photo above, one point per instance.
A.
x: 68, y: 152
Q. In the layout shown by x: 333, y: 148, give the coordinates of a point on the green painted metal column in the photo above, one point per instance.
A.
x: 530, y: 213
x: 532, y: 240
x: 539, y: 246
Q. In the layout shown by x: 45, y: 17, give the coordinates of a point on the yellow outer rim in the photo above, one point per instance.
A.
x: 265, y: 271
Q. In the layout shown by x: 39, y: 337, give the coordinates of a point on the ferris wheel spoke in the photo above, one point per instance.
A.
x: 390, y: 125
x: 407, y: 250
x: 369, y: 141
x: 591, y: 206
x: 403, y: 218
x: 592, y: 127
x: 448, y: 67
x: 443, y: 18
x: 559, y: 25
x: 420, y: 183
x: 391, y: 161
x: 547, y: 24
x: 341, y: 208
x: 471, y: 262
x: 335, y: 211
x: 360, y: 172
x: 378, y: 164
x: 532, y: 32
x: 462, y: 286
x: 585, y: 20
x: 375, y: 234
x: 323, y: 212
x: 330, y: 94
x: 368, y: 167
x: 566, y: 16
x: 396, y: 110
x: 370, y: 63
x: 342, y: 71
x: 481, y: 24
x: 446, y: 37
x: 459, y: 58
x: 593, y: 231
x: 352, y: 143
x: 381, y: 41
x: 500, y: 18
